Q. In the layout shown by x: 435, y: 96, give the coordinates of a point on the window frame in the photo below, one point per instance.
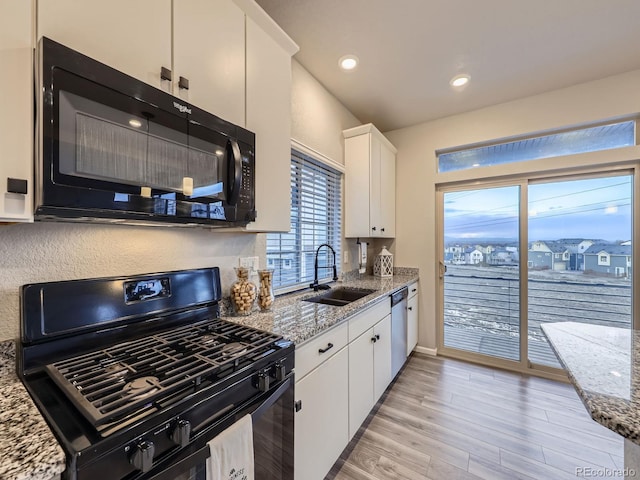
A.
x: 302, y: 154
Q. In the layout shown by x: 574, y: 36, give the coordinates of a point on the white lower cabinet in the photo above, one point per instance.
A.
x: 412, y: 318
x: 321, y: 425
x: 340, y: 375
x: 369, y: 371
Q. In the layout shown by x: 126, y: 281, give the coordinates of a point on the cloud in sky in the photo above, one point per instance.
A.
x: 589, y: 208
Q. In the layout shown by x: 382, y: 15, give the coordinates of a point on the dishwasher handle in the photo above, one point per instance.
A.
x: 399, y: 295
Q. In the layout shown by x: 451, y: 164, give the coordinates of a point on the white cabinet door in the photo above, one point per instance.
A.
x: 375, y: 213
x: 357, y: 193
x: 16, y: 116
x: 131, y: 36
x: 369, y: 183
x: 208, y: 50
x: 412, y: 322
x: 269, y: 117
x: 381, y: 357
x: 321, y: 426
x: 387, y: 193
x: 361, y: 388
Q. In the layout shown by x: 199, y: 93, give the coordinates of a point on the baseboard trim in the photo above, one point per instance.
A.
x: 425, y: 350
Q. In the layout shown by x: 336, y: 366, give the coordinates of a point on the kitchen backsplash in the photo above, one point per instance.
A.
x: 44, y: 252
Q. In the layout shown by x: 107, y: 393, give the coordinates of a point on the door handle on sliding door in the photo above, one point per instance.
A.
x: 442, y: 269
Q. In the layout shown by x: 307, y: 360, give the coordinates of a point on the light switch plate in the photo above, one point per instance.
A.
x: 252, y: 263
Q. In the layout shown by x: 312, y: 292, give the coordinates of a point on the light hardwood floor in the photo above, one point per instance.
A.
x: 444, y: 419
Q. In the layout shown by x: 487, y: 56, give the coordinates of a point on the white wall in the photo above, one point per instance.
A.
x: 416, y: 162
x: 318, y: 118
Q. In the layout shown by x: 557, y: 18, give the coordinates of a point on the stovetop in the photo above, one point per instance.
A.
x: 133, y: 377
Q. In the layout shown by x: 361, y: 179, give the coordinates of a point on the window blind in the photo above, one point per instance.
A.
x: 316, y: 218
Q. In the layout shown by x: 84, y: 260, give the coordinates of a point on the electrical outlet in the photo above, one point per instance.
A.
x: 346, y: 256
x: 251, y: 263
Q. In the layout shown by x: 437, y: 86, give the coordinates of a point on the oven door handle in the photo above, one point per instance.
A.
x: 183, y: 465
x: 269, y: 402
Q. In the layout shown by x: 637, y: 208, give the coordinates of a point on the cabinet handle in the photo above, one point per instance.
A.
x: 414, y: 290
x: 382, y: 229
x: 165, y: 74
x: 323, y: 350
x: 377, y: 337
x: 183, y: 83
x: 373, y: 228
x: 298, y: 405
x: 409, y: 308
x: 373, y: 339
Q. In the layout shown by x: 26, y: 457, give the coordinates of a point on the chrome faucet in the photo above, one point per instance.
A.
x: 315, y: 285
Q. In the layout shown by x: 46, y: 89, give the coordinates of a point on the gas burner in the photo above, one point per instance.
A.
x: 116, y: 369
x: 141, y: 387
x: 233, y: 349
x: 208, y: 339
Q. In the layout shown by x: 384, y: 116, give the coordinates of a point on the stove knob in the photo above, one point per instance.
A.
x: 181, y: 432
x: 263, y: 381
x: 142, y: 456
x: 281, y: 372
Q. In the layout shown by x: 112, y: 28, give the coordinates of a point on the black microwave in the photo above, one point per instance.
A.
x: 113, y: 148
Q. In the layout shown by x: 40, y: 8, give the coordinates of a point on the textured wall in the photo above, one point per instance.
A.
x: 318, y: 118
x: 43, y: 252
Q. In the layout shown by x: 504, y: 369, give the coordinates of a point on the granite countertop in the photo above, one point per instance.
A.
x: 603, y: 364
x: 299, y: 321
x: 28, y: 449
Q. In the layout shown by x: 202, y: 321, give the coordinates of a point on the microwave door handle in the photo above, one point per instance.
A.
x: 234, y: 160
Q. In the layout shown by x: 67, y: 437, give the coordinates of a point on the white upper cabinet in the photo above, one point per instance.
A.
x: 370, y: 183
x: 209, y: 52
x: 16, y: 119
x: 268, y: 108
x: 269, y: 117
x: 131, y: 36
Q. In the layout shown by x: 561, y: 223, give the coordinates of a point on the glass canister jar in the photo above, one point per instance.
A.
x: 243, y: 292
x: 265, y: 289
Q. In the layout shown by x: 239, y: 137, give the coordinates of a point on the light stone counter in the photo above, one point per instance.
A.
x: 28, y: 449
x: 603, y: 363
x: 299, y: 321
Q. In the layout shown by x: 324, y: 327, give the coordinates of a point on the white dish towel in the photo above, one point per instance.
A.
x: 232, y: 453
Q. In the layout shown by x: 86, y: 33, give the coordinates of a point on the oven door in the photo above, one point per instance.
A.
x: 272, y: 415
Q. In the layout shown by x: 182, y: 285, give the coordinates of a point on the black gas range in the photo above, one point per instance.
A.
x: 135, y: 375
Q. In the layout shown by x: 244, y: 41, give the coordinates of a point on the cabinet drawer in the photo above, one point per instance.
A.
x: 309, y: 355
x: 414, y: 288
x: 363, y: 321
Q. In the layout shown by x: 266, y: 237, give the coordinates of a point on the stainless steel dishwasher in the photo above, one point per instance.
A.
x: 398, y: 329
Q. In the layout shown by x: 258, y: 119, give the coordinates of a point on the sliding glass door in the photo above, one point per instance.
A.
x: 579, y: 256
x: 515, y: 257
x: 480, y: 271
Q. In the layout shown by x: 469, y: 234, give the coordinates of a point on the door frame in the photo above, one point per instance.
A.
x: 523, y: 180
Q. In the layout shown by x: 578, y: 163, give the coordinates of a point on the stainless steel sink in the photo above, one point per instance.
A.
x: 340, y: 297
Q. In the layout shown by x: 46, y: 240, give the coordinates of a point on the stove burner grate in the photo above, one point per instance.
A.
x: 117, y: 381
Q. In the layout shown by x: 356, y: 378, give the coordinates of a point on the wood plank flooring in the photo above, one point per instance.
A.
x: 444, y: 419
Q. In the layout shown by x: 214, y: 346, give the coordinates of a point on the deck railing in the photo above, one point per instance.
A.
x: 482, y: 313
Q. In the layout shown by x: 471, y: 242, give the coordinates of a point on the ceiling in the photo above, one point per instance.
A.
x: 410, y: 49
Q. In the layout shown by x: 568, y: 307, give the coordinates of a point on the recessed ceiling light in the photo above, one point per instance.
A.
x: 459, y: 80
x: 348, y: 62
